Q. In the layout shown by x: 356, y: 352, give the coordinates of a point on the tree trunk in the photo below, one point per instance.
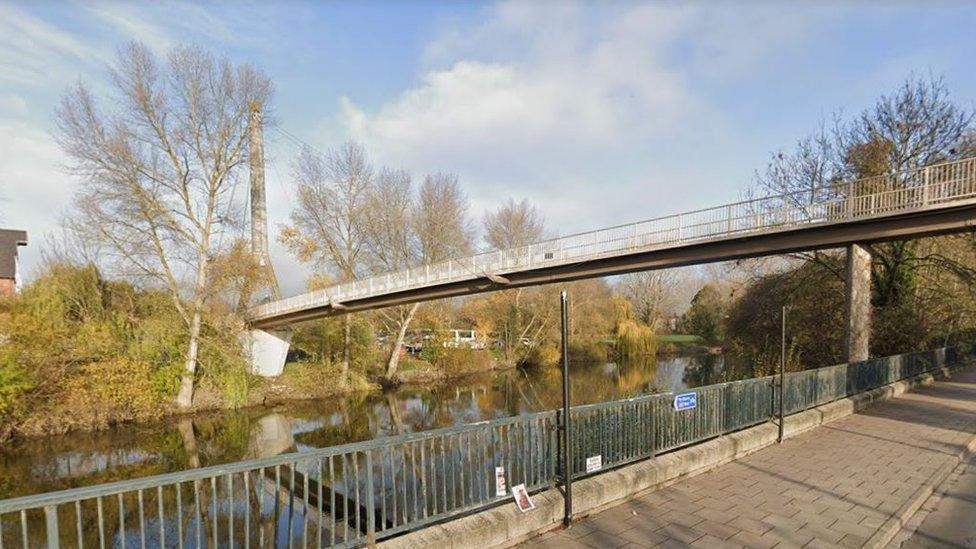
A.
x: 513, y: 345
x: 185, y: 397
x: 391, y: 365
x: 346, y: 343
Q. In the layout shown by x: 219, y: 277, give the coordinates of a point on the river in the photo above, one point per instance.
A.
x: 127, y: 451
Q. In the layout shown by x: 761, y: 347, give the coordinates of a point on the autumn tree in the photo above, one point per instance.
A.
x: 161, y: 155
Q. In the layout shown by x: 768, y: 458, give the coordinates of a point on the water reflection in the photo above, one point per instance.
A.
x: 129, y: 451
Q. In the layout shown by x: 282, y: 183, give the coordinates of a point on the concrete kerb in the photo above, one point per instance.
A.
x: 505, y: 525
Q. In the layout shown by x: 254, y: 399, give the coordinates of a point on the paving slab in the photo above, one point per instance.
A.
x: 843, y: 484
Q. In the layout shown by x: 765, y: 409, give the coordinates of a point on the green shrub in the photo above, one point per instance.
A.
x: 71, y: 333
x: 15, y: 382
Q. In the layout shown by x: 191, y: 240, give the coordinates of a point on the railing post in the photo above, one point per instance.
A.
x: 925, y: 186
x: 370, y: 501
x: 51, y: 521
x: 567, y: 464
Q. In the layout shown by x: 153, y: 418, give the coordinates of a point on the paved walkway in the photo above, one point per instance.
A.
x: 832, y: 486
x: 949, y: 517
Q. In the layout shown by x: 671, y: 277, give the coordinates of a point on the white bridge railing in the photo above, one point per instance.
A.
x: 931, y: 186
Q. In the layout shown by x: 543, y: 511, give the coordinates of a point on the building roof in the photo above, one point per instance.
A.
x: 9, y: 241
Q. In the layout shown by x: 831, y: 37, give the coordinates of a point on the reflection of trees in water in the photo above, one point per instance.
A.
x: 80, y: 459
x: 705, y: 370
x: 355, y: 424
x: 541, y: 388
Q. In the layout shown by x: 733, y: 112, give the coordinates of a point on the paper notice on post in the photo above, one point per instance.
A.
x: 522, y: 499
x: 594, y: 463
x: 499, y: 481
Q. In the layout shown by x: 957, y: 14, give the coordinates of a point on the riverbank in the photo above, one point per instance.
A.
x: 179, y: 441
x: 300, y: 382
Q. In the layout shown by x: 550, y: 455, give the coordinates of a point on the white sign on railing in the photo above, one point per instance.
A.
x: 594, y: 463
x: 499, y: 481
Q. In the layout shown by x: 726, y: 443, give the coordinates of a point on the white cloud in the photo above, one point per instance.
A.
x: 561, y: 103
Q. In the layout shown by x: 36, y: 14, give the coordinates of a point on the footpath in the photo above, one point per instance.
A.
x: 871, y: 479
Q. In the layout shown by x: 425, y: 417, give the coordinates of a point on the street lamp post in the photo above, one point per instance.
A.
x: 782, y: 376
x: 567, y: 452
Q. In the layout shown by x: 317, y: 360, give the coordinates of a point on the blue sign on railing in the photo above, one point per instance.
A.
x: 686, y: 401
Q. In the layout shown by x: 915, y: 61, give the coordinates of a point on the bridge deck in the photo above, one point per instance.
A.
x: 935, y: 199
x: 835, y: 486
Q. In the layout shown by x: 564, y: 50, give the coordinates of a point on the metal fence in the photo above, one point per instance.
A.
x: 352, y: 494
x: 811, y: 388
x: 921, y: 188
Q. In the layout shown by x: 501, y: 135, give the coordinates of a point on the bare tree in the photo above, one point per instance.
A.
x: 441, y: 220
x: 512, y: 225
x: 328, y: 223
x: 407, y: 230
x: 161, y: 163
x: 393, y: 246
x: 652, y: 294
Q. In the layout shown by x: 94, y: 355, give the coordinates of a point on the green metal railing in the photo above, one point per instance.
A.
x: 353, y: 494
x: 811, y: 388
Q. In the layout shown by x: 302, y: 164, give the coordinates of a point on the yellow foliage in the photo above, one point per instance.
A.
x: 99, y: 394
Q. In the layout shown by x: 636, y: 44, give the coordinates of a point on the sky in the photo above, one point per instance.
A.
x: 598, y: 113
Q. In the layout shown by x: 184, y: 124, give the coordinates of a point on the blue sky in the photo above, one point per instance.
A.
x: 598, y: 113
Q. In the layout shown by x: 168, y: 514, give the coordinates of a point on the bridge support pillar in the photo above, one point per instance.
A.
x: 267, y: 350
x: 858, y: 313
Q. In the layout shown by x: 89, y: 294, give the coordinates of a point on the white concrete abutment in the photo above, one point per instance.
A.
x: 267, y: 350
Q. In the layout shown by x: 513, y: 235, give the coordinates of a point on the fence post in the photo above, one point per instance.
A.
x: 925, y: 186
x: 782, y: 377
x: 51, y: 521
x: 370, y: 501
x: 567, y: 424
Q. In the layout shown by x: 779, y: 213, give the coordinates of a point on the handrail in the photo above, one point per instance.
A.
x: 936, y: 185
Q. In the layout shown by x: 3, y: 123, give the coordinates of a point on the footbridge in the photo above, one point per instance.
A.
x: 930, y: 200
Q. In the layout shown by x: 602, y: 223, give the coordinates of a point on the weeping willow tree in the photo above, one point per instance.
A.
x: 632, y: 337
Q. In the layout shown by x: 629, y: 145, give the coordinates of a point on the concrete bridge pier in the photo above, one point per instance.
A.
x: 858, y: 311
x: 267, y: 350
